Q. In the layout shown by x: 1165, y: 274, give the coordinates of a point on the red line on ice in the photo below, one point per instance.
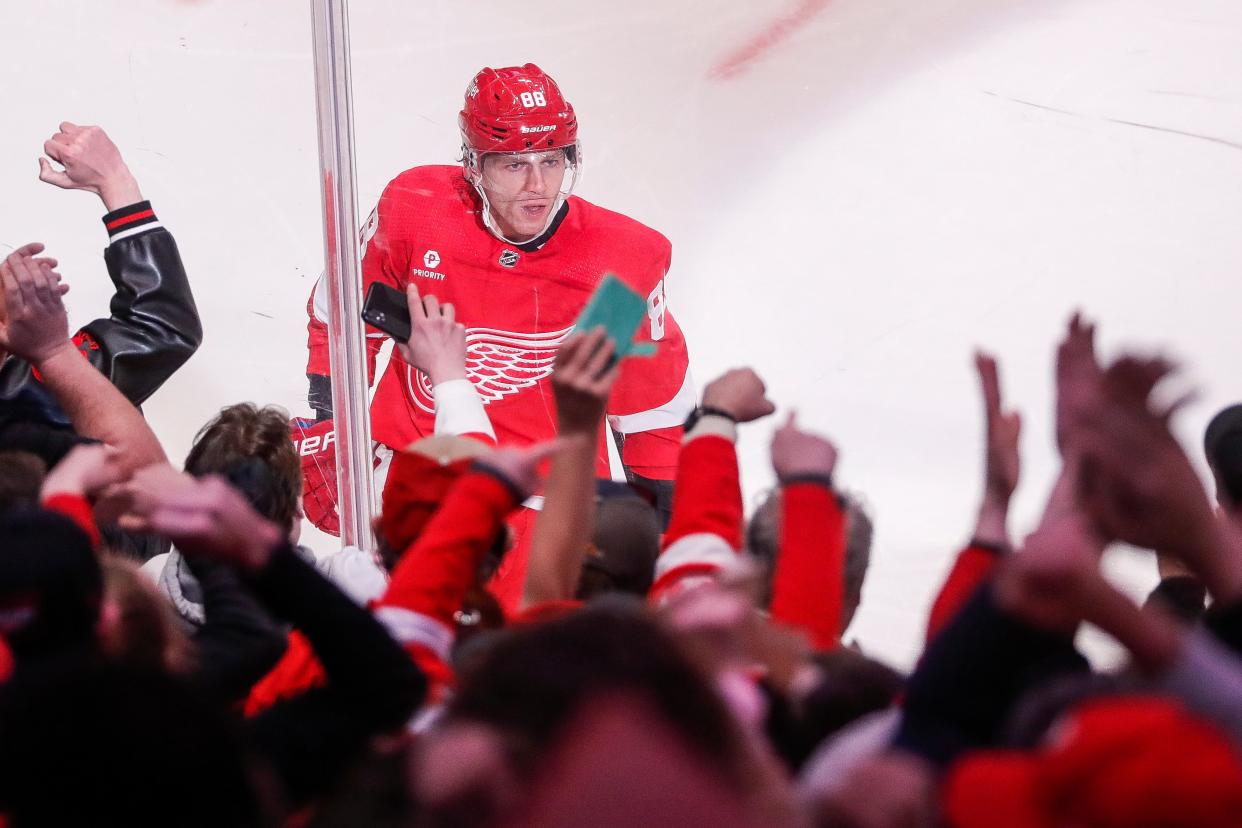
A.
x: 741, y: 59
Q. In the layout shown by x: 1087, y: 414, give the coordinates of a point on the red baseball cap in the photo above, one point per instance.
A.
x: 1115, y: 763
x: 418, y: 480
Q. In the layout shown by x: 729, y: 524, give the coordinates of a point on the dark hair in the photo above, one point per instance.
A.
x: 851, y: 686
x: 245, y: 432
x: 1222, y: 443
x: 625, y: 543
x: 50, y: 583
x: 530, y: 682
x: 21, y: 476
x: 76, y: 738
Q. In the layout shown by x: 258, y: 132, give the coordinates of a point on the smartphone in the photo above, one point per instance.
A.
x: 386, y: 308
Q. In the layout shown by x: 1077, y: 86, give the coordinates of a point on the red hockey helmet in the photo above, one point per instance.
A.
x: 516, y: 109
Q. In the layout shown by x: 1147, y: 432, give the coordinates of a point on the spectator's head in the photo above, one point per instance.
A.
x: 850, y: 686
x: 519, y: 149
x: 531, y: 681
x: 763, y: 540
x: 1111, y: 763
x: 21, y: 476
x: 418, y: 480
x: 113, y: 745
x: 50, y: 584
x: 1222, y: 443
x: 243, y: 433
x: 624, y: 543
x: 142, y: 628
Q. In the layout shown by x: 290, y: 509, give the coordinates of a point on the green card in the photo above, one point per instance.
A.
x: 620, y: 310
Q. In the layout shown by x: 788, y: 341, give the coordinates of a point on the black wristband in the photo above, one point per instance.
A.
x: 707, y: 411
x: 989, y: 546
x: 518, y: 495
x: 819, y: 478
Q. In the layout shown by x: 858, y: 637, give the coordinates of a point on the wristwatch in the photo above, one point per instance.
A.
x: 704, y: 411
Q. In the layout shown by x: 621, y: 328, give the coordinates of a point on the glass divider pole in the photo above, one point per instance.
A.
x: 343, y: 272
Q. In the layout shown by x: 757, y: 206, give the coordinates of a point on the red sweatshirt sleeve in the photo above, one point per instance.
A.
x: 973, y: 566
x: 705, y: 529
x: 433, y: 576
x: 808, y: 586
x: 78, y: 509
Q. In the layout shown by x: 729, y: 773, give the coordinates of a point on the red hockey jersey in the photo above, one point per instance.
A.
x: 518, y: 303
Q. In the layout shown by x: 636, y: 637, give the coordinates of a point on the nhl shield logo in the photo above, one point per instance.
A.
x: 508, y: 258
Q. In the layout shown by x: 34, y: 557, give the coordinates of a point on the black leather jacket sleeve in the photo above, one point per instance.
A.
x: 152, y: 329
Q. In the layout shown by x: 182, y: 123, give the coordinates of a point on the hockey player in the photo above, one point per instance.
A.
x: 504, y: 242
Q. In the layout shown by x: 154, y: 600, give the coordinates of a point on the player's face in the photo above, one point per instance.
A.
x: 521, y: 190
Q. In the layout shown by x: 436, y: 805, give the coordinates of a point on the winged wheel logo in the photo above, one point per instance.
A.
x: 499, y: 363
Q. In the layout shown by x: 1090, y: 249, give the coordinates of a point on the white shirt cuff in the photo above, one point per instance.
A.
x: 459, y: 409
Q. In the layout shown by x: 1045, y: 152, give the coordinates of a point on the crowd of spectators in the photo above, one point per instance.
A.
x: 169, y: 655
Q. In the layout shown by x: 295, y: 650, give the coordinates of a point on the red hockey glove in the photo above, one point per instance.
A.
x: 316, y: 445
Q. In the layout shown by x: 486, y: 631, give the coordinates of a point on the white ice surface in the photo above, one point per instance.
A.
x: 888, y: 185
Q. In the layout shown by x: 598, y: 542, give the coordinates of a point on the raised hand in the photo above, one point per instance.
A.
x: 34, y: 324
x: 797, y: 453
x: 520, y: 466
x: 437, y: 343
x: 740, y: 393
x: 210, y: 519
x: 1002, y: 430
x: 582, y: 381
x: 1078, y: 376
x: 87, y: 470
x: 132, y: 502
x: 1052, y: 580
x: 1135, y: 480
x: 91, y: 162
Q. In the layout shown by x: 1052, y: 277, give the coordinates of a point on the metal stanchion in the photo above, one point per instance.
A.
x: 343, y: 272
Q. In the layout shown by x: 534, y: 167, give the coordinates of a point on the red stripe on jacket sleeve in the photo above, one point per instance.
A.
x: 130, y: 219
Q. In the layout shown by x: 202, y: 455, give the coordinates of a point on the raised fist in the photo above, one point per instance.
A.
x: 740, y: 393
x: 91, y: 162
x: 797, y: 453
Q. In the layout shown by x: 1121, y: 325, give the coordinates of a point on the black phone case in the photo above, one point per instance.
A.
x: 386, y: 308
